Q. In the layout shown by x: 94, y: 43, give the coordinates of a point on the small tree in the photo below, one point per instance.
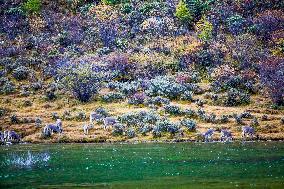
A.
x: 32, y: 6
x: 183, y: 13
x: 204, y: 29
x: 80, y: 80
x: 272, y: 76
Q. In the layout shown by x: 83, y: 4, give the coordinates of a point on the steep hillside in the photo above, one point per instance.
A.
x: 163, y: 69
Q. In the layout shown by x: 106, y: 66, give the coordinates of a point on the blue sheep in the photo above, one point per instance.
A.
x: 109, y: 121
x: 226, y: 135
x: 95, y: 117
x: 247, y: 131
x: 49, y: 129
x: 208, y: 135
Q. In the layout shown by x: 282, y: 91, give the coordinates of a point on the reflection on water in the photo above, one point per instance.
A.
x: 27, y: 159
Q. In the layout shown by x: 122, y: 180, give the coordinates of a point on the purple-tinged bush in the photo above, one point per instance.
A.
x: 272, y: 76
x: 187, y: 77
x: 120, y: 67
x: 267, y: 22
x: 137, y: 99
x: 80, y: 80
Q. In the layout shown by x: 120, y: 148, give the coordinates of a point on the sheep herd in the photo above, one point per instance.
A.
x: 8, y: 137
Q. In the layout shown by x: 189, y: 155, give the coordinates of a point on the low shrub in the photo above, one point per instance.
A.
x: 238, y: 119
x: 81, y: 116
x: 21, y: 73
x: 7, y: 88
x: 118, y: 129
x: 102, y: 111
x: 80, y: 80
x: 189, y: 113
x: 139, y: 118
x: 137, y: 99
x: 264, y: 117
x: 173, y: 110
x: 14, y: 119
x: 112, y: 97
x: 158, y: 101
x: 32, y: 6
x: 282, y: 120
x: 224, y: 119
x: 211, y: 118
x: 254, y: 122
x: 38, y: 122
x: 145, y: 129
x: 247, y: 115
x: 130, y: 133
x: 189, y: 124
x: 235, y: 98
x: 55, y: 115
x: 166, y: 87
x: 156, y: 132
x: 187, y: 95
x: 129, y: 88
x: 183, y: 13
x: 199, y: 102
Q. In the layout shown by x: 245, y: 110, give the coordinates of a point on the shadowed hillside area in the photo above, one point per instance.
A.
x: 141, y: 70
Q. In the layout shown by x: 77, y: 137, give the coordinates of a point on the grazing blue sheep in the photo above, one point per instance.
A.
x: 109, y: 121
x: 86, y: 128
x: 12, y: 136
x: 1, y: 137
x: 208, y: 135
x: 49, y: 129
x: 247, y: 131
x: 95, y: 117
x: 226, y: 135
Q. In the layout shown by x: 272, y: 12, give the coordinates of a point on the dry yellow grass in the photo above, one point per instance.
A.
x: 73, y: 132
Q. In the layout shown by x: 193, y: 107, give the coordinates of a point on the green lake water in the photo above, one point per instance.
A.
x: 160, y: 165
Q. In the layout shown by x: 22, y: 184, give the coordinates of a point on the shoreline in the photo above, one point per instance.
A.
x: 168, y: 141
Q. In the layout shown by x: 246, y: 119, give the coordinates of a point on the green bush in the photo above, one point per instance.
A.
x: 32, y: 6
x: 183, y: 12
x: 204, y: 29
x: 111, y: 2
